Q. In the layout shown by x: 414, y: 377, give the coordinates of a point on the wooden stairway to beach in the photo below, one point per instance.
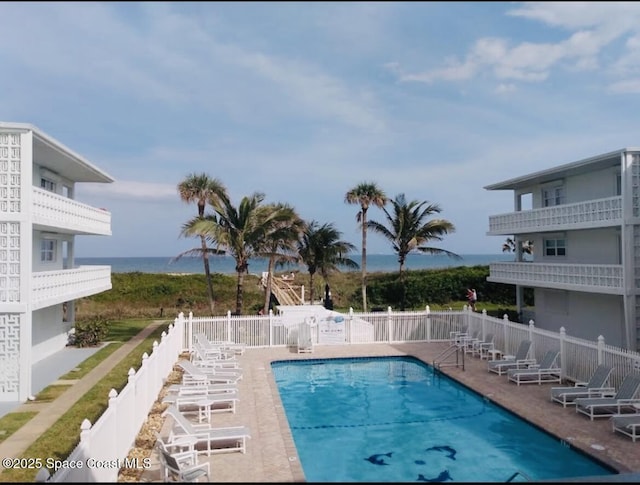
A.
x: 285, y: 293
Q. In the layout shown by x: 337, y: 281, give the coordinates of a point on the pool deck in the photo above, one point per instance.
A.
x: 271, y: 454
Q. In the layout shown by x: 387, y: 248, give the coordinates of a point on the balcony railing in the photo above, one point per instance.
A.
x: 53, y: 287
x: 594, y: 278
x: 581, y: 215
x: 61, y: 213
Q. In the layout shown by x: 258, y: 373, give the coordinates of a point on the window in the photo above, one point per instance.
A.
x: 47, y: 184
x: 48, y: 250
x: 553, y: 196
x: 618, y: 184
x: 555, y: 247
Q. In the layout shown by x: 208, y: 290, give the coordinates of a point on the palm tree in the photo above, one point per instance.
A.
x: 365, y: 194
x: 409, y: 230
x: 200, y: 188
x: 280, y: 242
x: 241, y: 231
x: 509, y: 246
x: 321, y: 250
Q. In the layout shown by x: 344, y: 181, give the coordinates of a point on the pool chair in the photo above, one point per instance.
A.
x: 305, y: 340
x: 518, y: 361
x: 210, y: 375
x: 546, y: 371
x: 468, y: 341
x: 203, y: 402
x: 456, y: 336
x: 205, y: 438
x: 624, y: 401
x: 481, y: 348
x: 195, y: 387
x: 181, y: 466
x: 595, y: 387
x: 627, y: 424
x: 225, y: 345
x: 210, y: 358
x: 215, y: 349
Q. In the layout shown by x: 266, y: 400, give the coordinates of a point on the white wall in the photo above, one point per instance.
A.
x: 49, y: 332
x: 584, y: 315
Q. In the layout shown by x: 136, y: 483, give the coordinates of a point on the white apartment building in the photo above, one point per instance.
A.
x: 39, y: 221
x: 583, y: 219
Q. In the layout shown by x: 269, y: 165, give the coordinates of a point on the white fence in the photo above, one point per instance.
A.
x: 106, y: 444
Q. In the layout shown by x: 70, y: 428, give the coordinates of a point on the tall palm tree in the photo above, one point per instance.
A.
x: 280, y: 242
x: 200, y: 188
x: 241, y: 231
x: 366, y: 194
x: 409, y: 229
x: 321, y: 250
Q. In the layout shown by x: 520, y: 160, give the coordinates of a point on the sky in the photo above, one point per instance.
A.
x: 302, y: 101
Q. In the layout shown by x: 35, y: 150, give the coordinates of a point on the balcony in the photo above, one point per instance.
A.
x: 56, y: 213
x: 53, y: 287
x: 592, y: 278
x: 581, y: 215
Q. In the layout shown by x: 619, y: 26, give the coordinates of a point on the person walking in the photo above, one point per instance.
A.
x: 472, y: 296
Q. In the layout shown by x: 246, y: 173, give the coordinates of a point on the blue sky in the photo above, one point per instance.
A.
x: 303, y: 101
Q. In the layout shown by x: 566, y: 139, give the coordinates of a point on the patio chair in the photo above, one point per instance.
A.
x: 481, y: 348
x: 181, y: 466
x: 595, y: 387
x: 627, y: 424
x: 518, y: 361
x: 456, y: 336
x: 225, y: 345
x: 468, y: 341
x: 217, y: 351
x: 623, y: 402
x: 207, y: 439
x: 305, y: 340
x: 212, y: 358
x: 202, y: 401
x: 546, y: 371
x: 210, y: 375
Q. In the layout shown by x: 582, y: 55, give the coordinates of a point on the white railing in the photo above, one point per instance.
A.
x: 112, y: 436
x: 59, y: 212
x: 598, y: 278
x: 52, y: 287
x: 580, y: 215
x: 106, y: 444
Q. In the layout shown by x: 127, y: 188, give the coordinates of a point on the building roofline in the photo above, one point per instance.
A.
x: 57, y: 145
x: 549, y: 173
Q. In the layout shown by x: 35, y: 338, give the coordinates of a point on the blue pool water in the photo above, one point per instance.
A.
x: 394, y: 420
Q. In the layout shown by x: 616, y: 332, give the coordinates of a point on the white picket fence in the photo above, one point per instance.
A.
x: 105, y: 444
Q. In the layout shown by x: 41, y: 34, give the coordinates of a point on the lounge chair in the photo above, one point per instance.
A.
x: 456, y: 336
x: 305, y: 340
x: 628, y: 424
x: 210, y: 375
x: 518, y: 361
x: 481, y: 348
x: 547, y: 371
x: 181, y: 466
x: 223, y: 350
x: 468, y: 341
x: 207, y: 439
x: 202, y: 401
x: 623, y: 402
x: 595, y: 387
x: 212, y: 358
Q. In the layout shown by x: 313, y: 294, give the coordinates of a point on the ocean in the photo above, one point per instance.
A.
x: 226, y: 264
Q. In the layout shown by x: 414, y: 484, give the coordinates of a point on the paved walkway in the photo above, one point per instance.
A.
x: 48, y: 413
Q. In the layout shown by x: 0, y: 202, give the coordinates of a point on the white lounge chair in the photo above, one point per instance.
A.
x: 208, y: 440
x: 623, y: 402
x: 627, y: 424
x: 305, y: 339
x: 518, y: 361
x: 547, y: 371
x: 481, y: 348
x: 201, y: 401
x: 595, y: 387
x: 181, y: 466
x: 212, y: 358
x: 210, y: 375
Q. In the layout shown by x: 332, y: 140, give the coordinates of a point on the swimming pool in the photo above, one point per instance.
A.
x: 392, y: 419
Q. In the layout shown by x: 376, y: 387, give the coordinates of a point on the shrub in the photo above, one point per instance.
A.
x: 90, y: 332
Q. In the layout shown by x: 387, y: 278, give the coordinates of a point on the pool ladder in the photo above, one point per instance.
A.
x: 523, y: 474
x: 456, y: 349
